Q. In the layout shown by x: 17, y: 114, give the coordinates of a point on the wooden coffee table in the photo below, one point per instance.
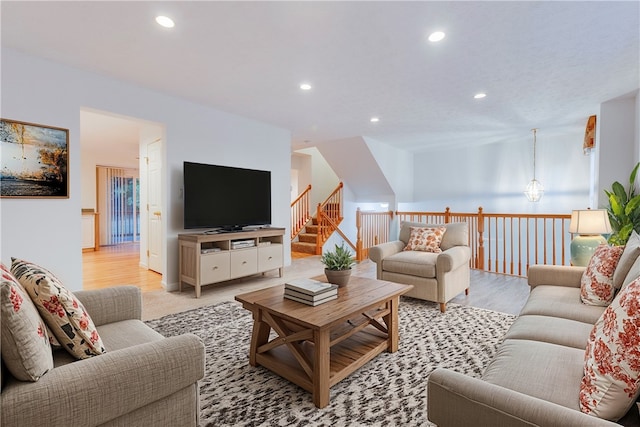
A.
x: 317, y: 347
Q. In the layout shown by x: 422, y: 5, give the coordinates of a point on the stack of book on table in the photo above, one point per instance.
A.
x: 309, y: 291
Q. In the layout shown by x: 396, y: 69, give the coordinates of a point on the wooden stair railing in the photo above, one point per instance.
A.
x: 372, y: 228
x: 329, y: 216
x: 500, y: 243
x: 300, y: 212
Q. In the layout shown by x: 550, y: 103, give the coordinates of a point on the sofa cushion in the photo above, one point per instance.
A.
x: 115, y: 336
x: 596, y: 285
x: 611, y: 382
x: 561, y: 301
x: 60, y: 309
x: 629, y: 256
x: 633, y: 274
x: 26, y: 351
x: 126, y: 333
x: 457, y: 233
x: 414, y: 263
x: 554, y: 330
x: 547, y: 371
x: 425, y: 239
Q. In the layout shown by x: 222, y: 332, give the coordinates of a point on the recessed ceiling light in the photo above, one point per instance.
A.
x: 479, y: 95
x: 165, y: 21
x: 305, y: 86
x: 436, y: 36
x: 375, y: 119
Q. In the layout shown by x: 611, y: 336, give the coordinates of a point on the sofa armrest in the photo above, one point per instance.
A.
x: 112, y: 304
x: 453, y: 258
x: 92, y: 391
x: 556, y: 275
x: 458, y: 400
x: 379, y: 252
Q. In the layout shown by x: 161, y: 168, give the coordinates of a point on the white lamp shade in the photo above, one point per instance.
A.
x: 590, y: 222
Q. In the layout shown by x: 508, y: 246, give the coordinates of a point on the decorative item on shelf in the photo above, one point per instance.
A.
x: 589, y: 136
x: 535, y: 189
x: 338, y: 265
x: 624, y: 210
x: 588, y: 225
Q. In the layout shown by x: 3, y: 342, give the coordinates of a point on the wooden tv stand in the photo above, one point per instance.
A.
x: 205, y: 259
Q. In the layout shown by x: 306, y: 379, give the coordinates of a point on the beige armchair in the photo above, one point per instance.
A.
x: 435, y: 277
x: 144, y: 379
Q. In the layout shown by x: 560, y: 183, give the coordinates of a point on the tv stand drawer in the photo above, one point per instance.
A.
x: 244, y: 262
x: 214, y: 268
x: 269, y: 257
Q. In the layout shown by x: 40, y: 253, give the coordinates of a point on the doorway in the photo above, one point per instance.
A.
x: 117, y: 145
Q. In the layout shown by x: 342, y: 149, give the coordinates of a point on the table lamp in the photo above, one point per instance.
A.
x: 588, y: 226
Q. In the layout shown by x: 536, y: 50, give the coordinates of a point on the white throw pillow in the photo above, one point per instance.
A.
x: 26, y: 351
x: 611, y: 381
x: 60, y: 309
x: 596, y: 285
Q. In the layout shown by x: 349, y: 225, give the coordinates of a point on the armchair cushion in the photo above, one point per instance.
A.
x: 425, y: 239
x: 414, y: 263
x: 60, y: 309
x: 25, y: 344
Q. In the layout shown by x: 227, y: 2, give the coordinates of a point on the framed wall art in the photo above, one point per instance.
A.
x: 33, y: 160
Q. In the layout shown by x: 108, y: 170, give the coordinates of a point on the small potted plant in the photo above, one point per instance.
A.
x: 338, y: 265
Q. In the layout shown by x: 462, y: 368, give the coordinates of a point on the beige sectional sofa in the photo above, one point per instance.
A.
x: 436, y: 277
x: 143, y: 379
x: 535, y: 376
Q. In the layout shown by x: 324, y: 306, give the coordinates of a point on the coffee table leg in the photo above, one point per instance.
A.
x: 392, y: 324
x: 321, y: 365
x: 259, y: 336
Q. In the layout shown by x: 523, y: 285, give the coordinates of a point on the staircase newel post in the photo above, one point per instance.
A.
x: 359, y: 254
x: 480, y: 254
x: 320, y: 236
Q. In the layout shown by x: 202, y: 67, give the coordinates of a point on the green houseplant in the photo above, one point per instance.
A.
x: 338, y: 264
x: 624, y: 210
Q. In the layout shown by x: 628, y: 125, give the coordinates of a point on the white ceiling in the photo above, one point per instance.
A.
x: 542, y: 64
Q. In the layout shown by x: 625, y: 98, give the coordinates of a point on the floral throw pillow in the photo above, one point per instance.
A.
x: 26, y: 351
x: 60, y: 309
x: 611, y: 381
x: 596, y: 285
x: 426, y: 239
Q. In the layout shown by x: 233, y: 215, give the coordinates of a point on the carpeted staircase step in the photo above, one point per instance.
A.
x: 308, y: 238
x: 311, y: 229
x: 304, y: 247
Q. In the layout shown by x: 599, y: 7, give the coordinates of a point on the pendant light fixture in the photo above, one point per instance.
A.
x: 535, y: 189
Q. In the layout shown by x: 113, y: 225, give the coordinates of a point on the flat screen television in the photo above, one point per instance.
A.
x: 224, y: 197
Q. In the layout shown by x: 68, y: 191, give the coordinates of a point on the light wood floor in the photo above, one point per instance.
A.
x: 120, y: 265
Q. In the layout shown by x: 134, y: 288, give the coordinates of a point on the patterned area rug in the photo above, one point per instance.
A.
x: 388, y: 391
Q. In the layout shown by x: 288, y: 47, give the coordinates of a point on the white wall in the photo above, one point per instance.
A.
x: 301, y: 164
x: 495, y: 176
x: 48, y: 231
x: 616, y: 144
x: 397, y: 166
x: 323, y: 179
